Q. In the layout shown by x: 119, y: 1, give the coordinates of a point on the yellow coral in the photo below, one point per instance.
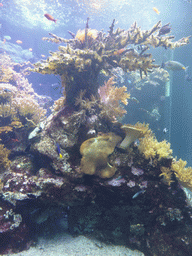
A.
x: 91, y: 34
x: 4, y: 161
x: 167, y: 174
x: 183, y: 174
x: 95, y: 153
x: 151, y: 148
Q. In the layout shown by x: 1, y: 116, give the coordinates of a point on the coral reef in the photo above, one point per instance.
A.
x: 72, y: 162
x: 91, y: 51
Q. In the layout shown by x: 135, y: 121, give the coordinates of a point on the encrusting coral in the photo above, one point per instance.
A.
x: 90, y: 51
x: 95, y: 152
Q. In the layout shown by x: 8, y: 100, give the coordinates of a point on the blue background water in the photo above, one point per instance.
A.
x: 24, y: 20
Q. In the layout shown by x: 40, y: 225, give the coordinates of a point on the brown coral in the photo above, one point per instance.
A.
x: 4, y: 161
x: 95, y: 153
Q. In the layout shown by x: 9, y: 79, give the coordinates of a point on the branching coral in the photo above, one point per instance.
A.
x: 151, y: 148
x: 4, y: 161
x: 90, y: 51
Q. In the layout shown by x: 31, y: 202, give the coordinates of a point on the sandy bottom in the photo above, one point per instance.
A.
x: 65, y: 244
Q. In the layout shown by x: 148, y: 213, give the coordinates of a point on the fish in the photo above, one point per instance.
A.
x: 19, y: 42
x: 165, y: 130
x: 49, y: 17
x: 58, y: 150
x: 42, y: 55
x: 7, y: 37
x: 30, y: 49
x: 164, y: 30
x: 138, y: 193
x: 119, y: 52
x: 188, y: 76
x: 156, y: 10
x: 173, y: 65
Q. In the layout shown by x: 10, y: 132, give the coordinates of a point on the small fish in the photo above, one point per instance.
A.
x: 19, y: 42
x: 164, y: 30
x: 173, y: 65
x: 7, y: 38
x: 119, y: 52
x: 156, y: 10
x: 138, y: 193
x: 49, y: 17
x: 188, y: 76
x: 165, y: 130
x: 30, y: 49
x: 58, y: 150
x: 42, y: 55
x: 134, y: 99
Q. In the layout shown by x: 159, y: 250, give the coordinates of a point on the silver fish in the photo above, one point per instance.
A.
x: 173, y: 65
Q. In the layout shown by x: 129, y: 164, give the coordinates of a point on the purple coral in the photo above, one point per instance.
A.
x: 137, y: 171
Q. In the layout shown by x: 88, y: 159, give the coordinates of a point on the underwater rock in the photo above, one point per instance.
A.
x: 14, y: 233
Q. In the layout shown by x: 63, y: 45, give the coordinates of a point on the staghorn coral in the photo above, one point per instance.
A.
x: 110, y: 97
x: 151, y: 148
x: 95, y: 152
x: 4, y: 161
x: 90, y: 51
x: 183, y: 174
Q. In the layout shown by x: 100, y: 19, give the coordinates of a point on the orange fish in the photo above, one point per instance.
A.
x: 119, y: 52
x: 30, y: 49
x: 49, y: 17
x: 19, y: 42
x: 156, y: 10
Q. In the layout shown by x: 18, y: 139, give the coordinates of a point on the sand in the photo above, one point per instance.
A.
x: 65, y: 244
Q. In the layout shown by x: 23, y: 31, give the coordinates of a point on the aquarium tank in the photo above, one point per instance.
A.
x: 95, y: 127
